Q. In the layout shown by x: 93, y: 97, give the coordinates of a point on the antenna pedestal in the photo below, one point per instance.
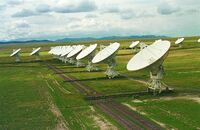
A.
x: 155, y: 84
x: 37, y: 57
x: 55, y: 57
x: 72, y: 61
x: 90, y: 67
x: 79, y: 63
x: 17, y: 58
x: 60, y: 58
x: 65, y: 59
x: 110, y: 72
x: 135, y: 50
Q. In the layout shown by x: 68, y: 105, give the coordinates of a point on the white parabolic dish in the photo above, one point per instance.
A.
x: 87, y: 51
x: 148, y: 56
x: 58, y: 51
x: 106, y: 52
x: 15, y: 52
x: 67, y: 51
x: 178, y: 41
x: 35, y: 51
x: 76, y: 50
x: 133, y: 44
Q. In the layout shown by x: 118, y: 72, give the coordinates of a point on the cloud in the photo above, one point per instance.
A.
x: 78, y: 18
x: 24, y: 13
x: 192, y: 11
x: 83, y: 6
x: 43, y: 8
x: 21, y: 24
x: 127, y: 14
x: 167, y: 8
x: 2, y: 7
x: 114, y: 9
x: 91, y: 16
x: 123, y: 13
x: 14, y: 2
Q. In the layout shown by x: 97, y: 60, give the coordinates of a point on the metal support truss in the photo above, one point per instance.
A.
x: 111, y: 72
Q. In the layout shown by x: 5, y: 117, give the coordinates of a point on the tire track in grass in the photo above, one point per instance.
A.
x: 62, y: 124
x: 49, y: 86
x: 117, y: 111
x: 61, y: 88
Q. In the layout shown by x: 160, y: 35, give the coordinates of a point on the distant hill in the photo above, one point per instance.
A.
x: 108, y: 38
x: 29, y: 41
x: 84, y: 39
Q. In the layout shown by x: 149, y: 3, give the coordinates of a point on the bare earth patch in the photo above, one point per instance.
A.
x: 131, y: 107
x: 186, y: 97
x: 161, y: 124
x: 186, y: 72
x: 61, y: 88
x: 143, y: 113
x: 101, y: 122
x: 137, y: 101
x: 61, y: 123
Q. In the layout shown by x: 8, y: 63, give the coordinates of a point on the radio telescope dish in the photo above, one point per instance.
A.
x: 179, y: 42
x: 198, y: 40
x: 134, y: 44
x: 87, y: 51
x: 107, y: 55
x: 57, y: 51
x: 89, y: 54
x: 152, y: 58
x: 36, y: 53
x: 61, y: 52
x: 66, y: 52
x: 16, y: 54
x: 72, y: 55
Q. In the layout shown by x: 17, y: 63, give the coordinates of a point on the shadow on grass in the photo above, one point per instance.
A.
x: 99, y: 78
x: 21, y: 62
x: 83, y: 71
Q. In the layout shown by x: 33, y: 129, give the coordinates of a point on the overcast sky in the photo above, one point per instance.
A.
x: 55, y: 19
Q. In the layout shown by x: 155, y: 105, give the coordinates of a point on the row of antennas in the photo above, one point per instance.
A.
x: 149, y: 57
x: 78, y: 54
x: 35, y: 52
x: 137, y: 44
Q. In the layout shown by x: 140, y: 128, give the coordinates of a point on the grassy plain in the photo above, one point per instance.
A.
x: 31, y: 94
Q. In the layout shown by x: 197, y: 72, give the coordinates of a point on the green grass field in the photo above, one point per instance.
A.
x: 33, y: 97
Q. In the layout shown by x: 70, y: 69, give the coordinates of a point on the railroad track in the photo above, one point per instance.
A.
x: 78, y: 85
x: 123, y: 115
